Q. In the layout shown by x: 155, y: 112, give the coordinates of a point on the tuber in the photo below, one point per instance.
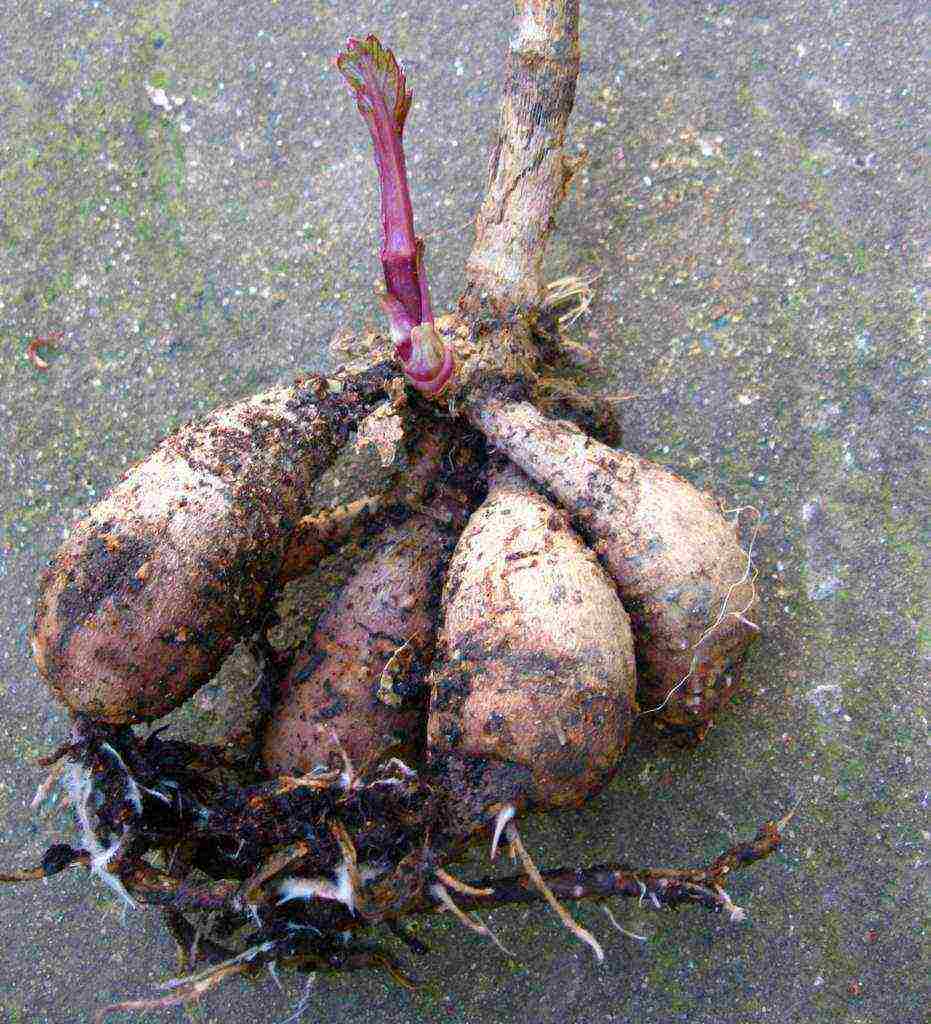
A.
x: 535, y: 657
x: 383, y: 618
x: 158, y: 582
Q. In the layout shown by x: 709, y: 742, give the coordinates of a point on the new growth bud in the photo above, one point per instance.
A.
x: 383, y: 100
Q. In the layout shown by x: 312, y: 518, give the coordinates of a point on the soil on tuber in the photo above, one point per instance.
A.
x: 157, y: 584
x: 677, y: 562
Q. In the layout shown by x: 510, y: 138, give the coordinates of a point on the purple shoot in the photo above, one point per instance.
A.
x: 383, y: 100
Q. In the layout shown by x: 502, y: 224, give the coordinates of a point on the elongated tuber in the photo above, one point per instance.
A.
x: 158, y: 582
x: 382, y: 620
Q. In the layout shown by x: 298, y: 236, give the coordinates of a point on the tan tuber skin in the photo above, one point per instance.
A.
x: 339, y: 687
x: 159, y: 581
x: 676, y: 560
x: 535, y: 656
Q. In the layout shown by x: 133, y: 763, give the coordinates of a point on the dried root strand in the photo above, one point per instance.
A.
x: 546, y: 892
x: 268, y: 954
x: 451, y: 882
x: 573, y: 291
x: 440, y: 893
x: 623, y: 931
x: 191, y: 988
x: 663, y: 887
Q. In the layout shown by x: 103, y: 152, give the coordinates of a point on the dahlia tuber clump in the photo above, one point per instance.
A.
x: 523, y: 589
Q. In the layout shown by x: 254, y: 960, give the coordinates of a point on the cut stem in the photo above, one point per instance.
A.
x: 528, y: 171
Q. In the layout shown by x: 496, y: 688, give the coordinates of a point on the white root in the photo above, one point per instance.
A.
x: 302, y: 1002
x: 623, y: 931
x: 132, y: 787
x: 272, y: 968
x: 80, y: 785
x: 320, y: 888
x: 503, y: 817
x: 748, y: 576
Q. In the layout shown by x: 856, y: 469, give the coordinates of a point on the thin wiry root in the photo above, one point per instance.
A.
x: 272, y: 969
x: 534, y: 875
x: 788, y: 816
x: 623, y: 931
x: 320, y: 888
x: 570, y: 289
x: 457, y: 885
x: 748, y: 576
x: 245, y: 959
x: 191, y: 987
x: 440, y: 893
x: 665, y: 887
x: 301, y: 1003
x: 186, y: 992
x: 132, y: 787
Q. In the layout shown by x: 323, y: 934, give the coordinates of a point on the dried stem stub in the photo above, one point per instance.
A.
x: 528, y: 170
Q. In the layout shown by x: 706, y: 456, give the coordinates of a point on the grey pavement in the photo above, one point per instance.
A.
x: 186, y: 192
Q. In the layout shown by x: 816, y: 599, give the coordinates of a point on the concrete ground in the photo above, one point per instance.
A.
x: 187, y: 193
